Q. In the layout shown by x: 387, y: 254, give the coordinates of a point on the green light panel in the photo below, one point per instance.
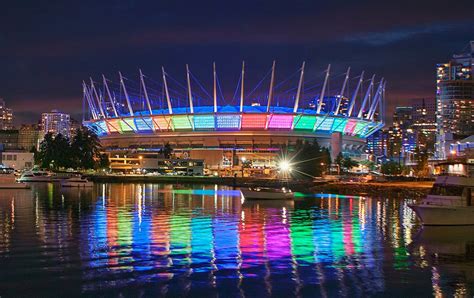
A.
x: 127, y: 125
x: 182, y: 122
x: 360, y: 128
x: 303, y: 122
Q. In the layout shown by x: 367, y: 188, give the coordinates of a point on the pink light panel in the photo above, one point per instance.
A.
x: 350, y: 126
x: 281, y: 121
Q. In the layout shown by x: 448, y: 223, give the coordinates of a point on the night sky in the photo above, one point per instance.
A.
x: 48, y: 47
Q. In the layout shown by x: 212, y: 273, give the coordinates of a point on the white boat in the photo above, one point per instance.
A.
x: 8, y: 180
x: 76, y: 182
x: 36, y: 176
x: 266, y: 193
x: 450, y: 202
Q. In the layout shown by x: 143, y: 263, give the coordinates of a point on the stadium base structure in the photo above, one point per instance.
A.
x: 133, y: 122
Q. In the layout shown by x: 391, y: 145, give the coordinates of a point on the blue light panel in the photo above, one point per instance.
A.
x: 144, y: 124
x: 339, y: 124
x: 228, y: 121
x: 204, y: 122
x: 325, y: 125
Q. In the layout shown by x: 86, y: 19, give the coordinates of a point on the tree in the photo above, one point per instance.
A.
x: 45, y: 155
x: 339, y: 160
x: 62, y: 152
x: 348, y: 163
x: 104, y: 162
x: 86, y: 149
x: 370, y: 165
x: 391, y: 168
x: 421, y: 157
x: 308, y: 159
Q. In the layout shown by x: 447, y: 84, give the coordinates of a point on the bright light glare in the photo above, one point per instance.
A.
x: 285, y: 166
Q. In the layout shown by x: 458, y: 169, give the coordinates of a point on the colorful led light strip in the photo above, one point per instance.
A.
x: 339, y: 125
x: 204, y: 122
x: 350, y: 126
x: 144, y: 124
x: 162, y: 123
x: 254, y: 121
x: 280, y: 121
x: 127, y: 124
x: 304, y: 122
x: 114, y: 125
x: 324, y: 123
x: 182, y: 122
x: 228, y: 121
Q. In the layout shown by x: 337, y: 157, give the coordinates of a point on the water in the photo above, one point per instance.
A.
x: 165, y: 240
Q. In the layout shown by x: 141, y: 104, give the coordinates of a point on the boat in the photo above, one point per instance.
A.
x: 267, y: 193
x: 36, y: 176
x: 76, y: 182
x: 8, y: 180
x: 450, y: 202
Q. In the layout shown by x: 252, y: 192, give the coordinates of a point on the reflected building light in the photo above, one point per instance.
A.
x: 103, y: 195
x: 13, y: 211
x: 140, y: 198
x: 435, y: 282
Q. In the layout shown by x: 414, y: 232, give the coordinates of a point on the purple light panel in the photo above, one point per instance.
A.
x: 281, y: 121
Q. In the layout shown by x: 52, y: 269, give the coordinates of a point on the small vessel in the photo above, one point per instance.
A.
x: 8, y: 180
x: 36, y: 176
x: 450, y: 202
x: 76, y: 182
x: 267, y: 193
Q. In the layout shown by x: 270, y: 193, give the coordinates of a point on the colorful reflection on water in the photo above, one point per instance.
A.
x: 205, y: 240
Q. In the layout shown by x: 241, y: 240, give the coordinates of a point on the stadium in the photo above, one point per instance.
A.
x: 136, y: 119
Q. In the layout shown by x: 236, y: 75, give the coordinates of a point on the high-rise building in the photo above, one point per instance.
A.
x: 28, y: 137
x: 424, y: 123
x: 56, y: 123
x: 6, y: 116
x: 403, y: 132
x: 8, y: 139
x: 378, y: 143
x: 454, y: 100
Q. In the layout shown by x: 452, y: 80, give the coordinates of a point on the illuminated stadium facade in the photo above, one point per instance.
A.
x: 134, y: 118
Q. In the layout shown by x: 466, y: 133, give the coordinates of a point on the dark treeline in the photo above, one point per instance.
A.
x: 308, y: 159
x: 81, y: 152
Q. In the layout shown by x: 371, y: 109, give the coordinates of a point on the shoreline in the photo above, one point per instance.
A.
x: 366, y: 188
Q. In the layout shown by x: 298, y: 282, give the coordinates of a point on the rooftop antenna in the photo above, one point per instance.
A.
x: 110, y: 96
x: 126, y: 94
x: 89, y: 101
x: 99, y: 102
x: 366, y: 97
x: 242, y: 88
x: 373, y: 106
x: 142, y: 80
x: 341, y: 94
x: 321, y: 98
x: 215, y: 86
x: 300, y: 85
x: 270, y: 92
x: 190, y: 95
x: 170, y: 107
x: 354, y: 95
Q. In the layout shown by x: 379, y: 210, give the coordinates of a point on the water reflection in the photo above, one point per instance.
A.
x: 203, y: 240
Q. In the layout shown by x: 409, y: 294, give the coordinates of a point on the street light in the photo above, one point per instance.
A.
x: 285, y: 166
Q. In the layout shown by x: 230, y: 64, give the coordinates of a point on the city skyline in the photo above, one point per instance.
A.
x: 45, y: 66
